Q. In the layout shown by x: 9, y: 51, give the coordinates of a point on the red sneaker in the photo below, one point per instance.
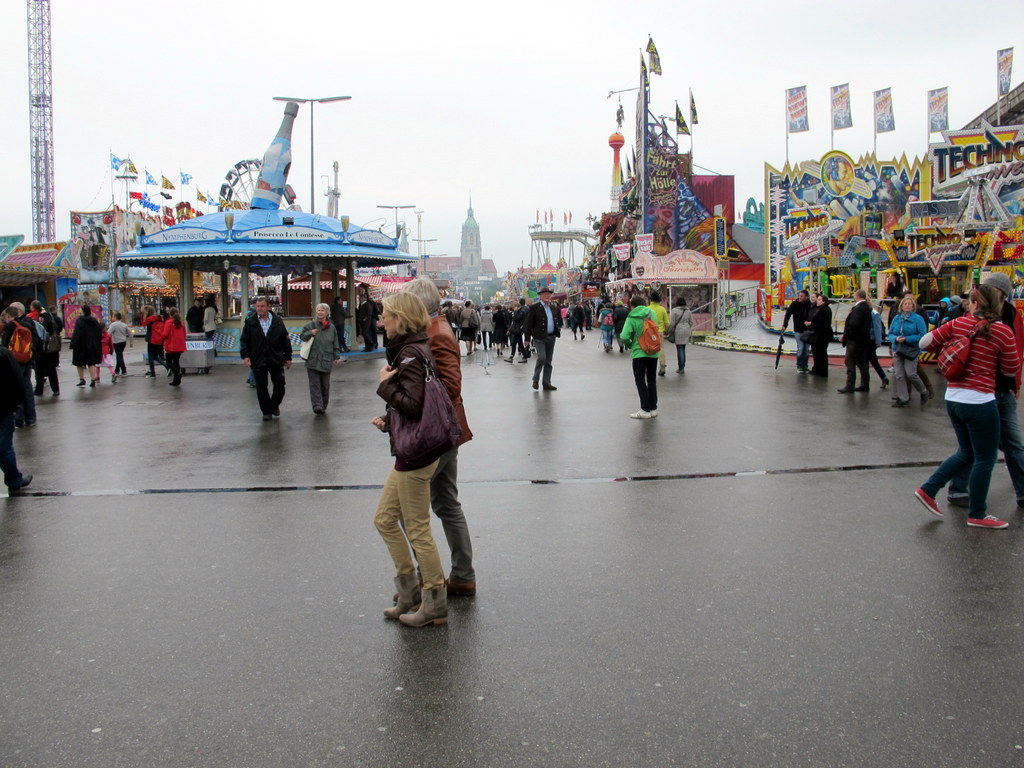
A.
x: 987, y: 522
x: 929, y: 502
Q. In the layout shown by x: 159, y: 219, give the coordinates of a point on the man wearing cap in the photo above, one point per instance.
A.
x: 543, y: 326
x: 1011, y: 441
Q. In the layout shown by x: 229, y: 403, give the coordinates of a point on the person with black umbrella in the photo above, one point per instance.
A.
x: 799, y: 310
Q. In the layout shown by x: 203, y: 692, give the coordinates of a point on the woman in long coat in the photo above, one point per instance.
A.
x: 323, y: 354
x: 680, y: 327
x: 87, y: 347
x: 820, y: 324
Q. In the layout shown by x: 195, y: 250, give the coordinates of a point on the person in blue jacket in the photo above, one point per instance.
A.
x: 905, y: 331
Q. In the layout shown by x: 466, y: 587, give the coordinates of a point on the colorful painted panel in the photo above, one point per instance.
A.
x: 835, y: 198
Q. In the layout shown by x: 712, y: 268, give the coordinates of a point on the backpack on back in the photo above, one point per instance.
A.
x: 650, y: 338
x: 20, y: 343
x: 608, y: 320
x: 953, y: 357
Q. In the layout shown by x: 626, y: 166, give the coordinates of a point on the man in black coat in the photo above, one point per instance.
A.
x: 543, y: 325
x: 267, y: 350
x: 856, y: 338
x: 12, y: 395
x: 194, y: 317
x: 366, y: 316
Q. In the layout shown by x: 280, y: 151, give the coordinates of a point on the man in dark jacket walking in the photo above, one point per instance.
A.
x: 267, y: 350
x: 856, y: 338
x: 543, y: 326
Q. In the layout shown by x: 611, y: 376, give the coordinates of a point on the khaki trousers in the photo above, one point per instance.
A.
x: 406, y: 495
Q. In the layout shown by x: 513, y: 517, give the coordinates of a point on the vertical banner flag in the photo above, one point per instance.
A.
x: 884, y: 120
x: 115, y: 162
x: 149, y: 179
x: 721, y: 238
x: 938, y: 110
x: 693, y: 109
x: 1004, y: 59
x: 796, y: 109
x: 653, y: 56
x: 166, y: 183
x: 842, y: 117
x: 681, y: 128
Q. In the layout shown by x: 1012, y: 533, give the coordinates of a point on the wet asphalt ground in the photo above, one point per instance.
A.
x: 745, y: 580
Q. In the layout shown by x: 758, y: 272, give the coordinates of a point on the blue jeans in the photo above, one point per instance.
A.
x: 607, y: 331
x: 1011, y: 443
x: 977, y: 436
x: 803, y: 351
x: 681, y: 356
x: 27, y: 411
x: 8, y: 462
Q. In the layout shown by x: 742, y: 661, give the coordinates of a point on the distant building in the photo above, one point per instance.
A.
x: 469, y: 266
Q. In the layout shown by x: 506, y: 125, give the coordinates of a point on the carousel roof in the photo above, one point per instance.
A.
x: 33, y: 263
x: 279, y: 238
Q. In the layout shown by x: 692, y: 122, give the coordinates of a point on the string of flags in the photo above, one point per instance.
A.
x: 143, y: 198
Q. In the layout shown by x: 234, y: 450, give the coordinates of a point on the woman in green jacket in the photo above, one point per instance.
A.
x: 324, y: 353
x: 645, y: 364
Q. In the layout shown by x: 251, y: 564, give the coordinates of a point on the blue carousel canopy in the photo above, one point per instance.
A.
x: 264, y: 237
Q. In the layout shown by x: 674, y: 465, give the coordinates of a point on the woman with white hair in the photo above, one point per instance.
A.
x: 323, y: 354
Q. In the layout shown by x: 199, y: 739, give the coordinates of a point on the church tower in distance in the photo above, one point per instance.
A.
x: 471, y: 252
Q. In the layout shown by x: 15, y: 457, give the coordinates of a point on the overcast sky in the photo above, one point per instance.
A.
x: 507, y: 102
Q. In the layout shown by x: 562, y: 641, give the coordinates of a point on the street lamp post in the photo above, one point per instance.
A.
x: 420, y: 265
x: 396, y: 209
x: 312, y: 172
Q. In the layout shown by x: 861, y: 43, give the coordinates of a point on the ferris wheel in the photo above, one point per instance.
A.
x: 240, y: 183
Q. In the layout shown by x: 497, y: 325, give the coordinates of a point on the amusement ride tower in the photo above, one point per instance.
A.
x: 616, y: 142
x: 40, y: 106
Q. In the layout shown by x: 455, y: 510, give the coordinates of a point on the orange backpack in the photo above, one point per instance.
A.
x: 20, y: 343
x: 650, y: 337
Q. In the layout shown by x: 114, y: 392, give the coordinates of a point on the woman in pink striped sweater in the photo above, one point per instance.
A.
x: 971, y: 403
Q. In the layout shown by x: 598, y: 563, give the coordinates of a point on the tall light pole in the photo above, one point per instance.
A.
x: 396, y: 209
x: 312, y: 171
x: 420, y: 262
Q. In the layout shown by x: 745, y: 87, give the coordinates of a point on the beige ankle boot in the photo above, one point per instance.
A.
x: 408, y: 587
x: 433, y: 609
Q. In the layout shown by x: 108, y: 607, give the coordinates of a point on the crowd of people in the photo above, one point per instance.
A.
x: 981, y: 404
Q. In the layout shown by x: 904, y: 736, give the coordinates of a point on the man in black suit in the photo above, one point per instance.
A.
x: 366, y: 317
x: 543, y: 325
x: 267, y: 349
x: 856, y: 338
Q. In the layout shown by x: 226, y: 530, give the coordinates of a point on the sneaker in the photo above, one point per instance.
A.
x: 929, y: 503
x: 654, y: 413
x: 986, y: 522
x: 640, y: 415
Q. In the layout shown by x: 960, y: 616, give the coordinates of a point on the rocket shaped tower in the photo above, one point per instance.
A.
x: 276, y: 162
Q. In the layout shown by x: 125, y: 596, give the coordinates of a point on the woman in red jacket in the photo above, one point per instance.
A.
x: 174, y: 344
x: 971, y: 402
x: 154, y: 324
